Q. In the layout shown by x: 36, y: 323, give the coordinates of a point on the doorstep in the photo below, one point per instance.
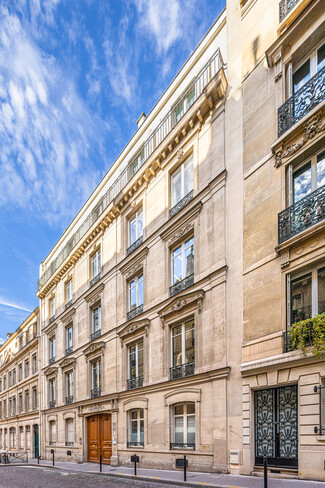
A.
x: 275, y: 472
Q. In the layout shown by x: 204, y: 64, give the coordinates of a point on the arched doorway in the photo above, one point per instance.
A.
x: 99, y: 430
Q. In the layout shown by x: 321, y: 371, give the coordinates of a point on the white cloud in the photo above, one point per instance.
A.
x: 9, y: 303
x: 47, y: 133
x: 2, y: 341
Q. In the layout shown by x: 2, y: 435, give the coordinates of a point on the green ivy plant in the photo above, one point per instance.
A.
x: 309, y: 335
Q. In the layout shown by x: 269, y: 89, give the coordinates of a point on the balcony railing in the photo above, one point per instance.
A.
x: 135, y: 245
x: 181, y: 285
x: 203, y: 78
x: 135, y: 382
x: 52, y: 443
x: 95, y: 334
x: 290, y: 345
x: 181, y: 371
x: 52, y: 403
x: 302, y: 102
x: 69, y: 350
x: 135, y: 312
x: 95, y: 280
x: 182, y: 445
x: 52, y: 360
x: 52, y: 319
x: 70, y: 302
x: 135, y: 444
x: 95, y: 393
x: 181, y: 204
x: 69, y: 443
x: 301, y: 215
x: 285, y: 6
x: 68, y: 400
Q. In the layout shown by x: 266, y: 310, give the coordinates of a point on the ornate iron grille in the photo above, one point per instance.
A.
x: 135, y: 312
x: 52, y: 403
x: 284, y: 8
x: 52, y: 319
x: 135, y: 245
x: 182, y: 445
x: 69, y: 350
x: 135, y: 444
x: 68, y: 400
x: 52, y: 443
x: 52, y: 360
x: 289, y: 345
x: 136, y: 382
x: 95, y: 393
x: 95, y: 280
x: 302, y: 215
x: 181, y: 285
x: 181, y: 371
x: 67, y: 305
x: 302, y: 102
x: 95, y: 334
x: 181, y: 204
x: 69, y: 443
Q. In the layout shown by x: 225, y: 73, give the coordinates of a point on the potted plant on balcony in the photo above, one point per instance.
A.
x: 309, y: 335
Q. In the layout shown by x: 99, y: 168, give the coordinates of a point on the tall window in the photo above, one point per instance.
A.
x: 69, y: 432
x: 10, y: 407
x: 10, y: 378
x: 182, y: 181
x: 0, y: 384
x: 20, y: 403
x: 52, y: 392
x: 136, y: 365
x: 95, y: 264
x: 96, y: 314
x: 20, y: 372
x: 14, y: 376
x: 14, y: 405
x: 26, y: 368
x: 34, y: 398
x: 5, y: 408
x: 52, y: 308
x: 96, y: 378
x: 68, y: 292
x: 26, y: 400
x: 183, y: 426
x: 21, y: 437
x: 136, y: 428
x: 313, y: 65
x: 52, y: 349
x: 136, y: 292
x: 21, y: 341
x: 69, y: 386
x: 69, y: 339
x: 306, y: 295
x: 308, y: 177
x: 52, y: 432
x: 135, y: 227
x: 4, y: 382
x: 183, y: 261
x: 34, y: 363
x: 183, y: 350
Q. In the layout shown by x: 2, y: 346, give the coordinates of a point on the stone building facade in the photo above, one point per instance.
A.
x: 19, y: 389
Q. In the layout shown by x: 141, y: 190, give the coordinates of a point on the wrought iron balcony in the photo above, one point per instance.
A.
x: 182, y: 445
x: 181, y: 371
x: 69, y: 400
x: 95, y: 393
x: 69, y: 350
x: 301, y: 215
x: 96, y: 334
x: 95, y: 279
x: 135, y: 312
x: 136, y: 382
x: 52, y: 443
x: 302, y: 102
x: 70, y: 302
x: 285, y: 6
x: 181, y: 285
x: 52, y: 319
x: 69, y: 443
x: 135, y: 444
x: 181, y: 204
x: 203, y: 78
x: 52, y: 360
x: 52, y: 404
x: 290, y: 345
x: 135, y: 245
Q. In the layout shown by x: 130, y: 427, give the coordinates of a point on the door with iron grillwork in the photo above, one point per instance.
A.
x: 276, y: 426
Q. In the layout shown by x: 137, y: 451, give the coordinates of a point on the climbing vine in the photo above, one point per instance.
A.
x: 309, y: 335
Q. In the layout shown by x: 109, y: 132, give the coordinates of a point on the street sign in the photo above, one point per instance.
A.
x: 135, y: 458
x: 180, y: 463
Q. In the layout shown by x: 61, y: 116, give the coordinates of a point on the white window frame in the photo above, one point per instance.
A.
x: 69, y: 343
x: 185, y: 416
x: 69, y: 436
x: 69, y: 291
x: 135, y: 218
x: 52, y: 388
x: 181, y: 168
x: 313, y: 160
x: 96, y: 366
x: 183, y: 248
x: 96, y: 263
x: 138, y: 424
x: 312, y: 56
x: 69, y: 383
x: 52, y: 307
x: 34, y: 397
x: 136, y: 358
x: 182, y: 324
x: 137, y: 280
x: 52, y: 346
x: 93, y: 310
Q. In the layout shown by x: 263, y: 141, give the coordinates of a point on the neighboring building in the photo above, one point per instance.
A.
x: 141, y: 351
x: 19, y: 389
x: 284, y: 231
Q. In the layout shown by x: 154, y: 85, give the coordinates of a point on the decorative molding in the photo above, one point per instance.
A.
x: 52, y: 370
x: 183, y: 394
x: 138, y: 402
x: 67, y: 317
x: 67, y: 362
x: 312, y: 127
x: 181, y: 302
x: 132, y: 266
x: 94, y: 348
x: 134, y: 327
x: 94, y: 294
x: 277, y: 62
x: 181, y: 233
x: 51, y: 330
x: 285, y: 259
x: 171, y: 233
x: 180, y: 153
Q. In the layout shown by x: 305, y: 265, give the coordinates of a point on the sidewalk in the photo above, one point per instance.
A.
x: 176, y: 477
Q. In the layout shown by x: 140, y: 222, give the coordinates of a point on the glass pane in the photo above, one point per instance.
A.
x: 301, y: 76
x: 189, y: 346
x: 141, y: 414
x: 190, y: 97
x: 191, y: 429
x: 177, y: 350
x: 179, y: 409
x: 140, y: 291
x: 132, y: 359
x: 321, y: 290
x: 134, y: 431
x: 133, y: 230
x: 301, y: 299
x: 179, y: 111
x: 179, y: 434
x: 190, y: 408
x: 141, y: 431
x: 177, y: 265
x: 133, y: 295
x: 188, y: 176
x: 301, y: 182
x: 140, y: 362
x: 321, y: 58
x: 321, y: 170
x: 140, y: 225
x: 189, y: 257
x: 134, y: 414
x: 176, y: 185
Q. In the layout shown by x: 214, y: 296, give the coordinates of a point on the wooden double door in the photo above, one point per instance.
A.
x: 99, y: 428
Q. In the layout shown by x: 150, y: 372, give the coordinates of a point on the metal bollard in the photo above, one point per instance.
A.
x: 265, y: 471
x: 27, y: 457
x: 135, y: 466
x: 100, y: 463
x: 184, y: 468
x: 38, y: 459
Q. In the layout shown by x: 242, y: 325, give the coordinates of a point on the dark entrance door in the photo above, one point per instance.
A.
x: 276, y: 426
x: 36, y: 440
x: 99, y: 438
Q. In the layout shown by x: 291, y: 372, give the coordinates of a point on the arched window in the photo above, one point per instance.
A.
x: 136, y: 428
x: 21, y: 438
x: 52, y: 432
x: 12, y: 438
x: 69, y: 432
x: 183, y: 426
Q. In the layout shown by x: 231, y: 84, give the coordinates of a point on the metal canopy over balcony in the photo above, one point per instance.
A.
x: 302, y: 102
x: 285, y: 6
x: 301, y: 215
x: 196, y: 88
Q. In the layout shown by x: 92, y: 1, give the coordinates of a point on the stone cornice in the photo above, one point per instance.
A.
x: 51, y: 370
x: 134, y: 264
x: 94, y: 348
x: 67, y: 363
x: 133, y: 327
x: 94, y: 294
x: 178, y: 304
x: 67, y: 316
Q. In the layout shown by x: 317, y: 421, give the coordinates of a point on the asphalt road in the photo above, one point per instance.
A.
x: 34, y: 477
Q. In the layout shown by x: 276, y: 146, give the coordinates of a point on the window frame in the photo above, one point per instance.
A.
x: 313, y: 66
x: 183, y: 337
x: 68, y: 291
x: 99, y: 308
x: 95, y: 263
x: 138, y: 420
x: 185, y: 415
x: 181, y: 168
x: 137, y: 280
x: 97, y: 361
x: 136, y: 344
x: 183, y: 250
x: 135, y: 217
x: 293, y: 168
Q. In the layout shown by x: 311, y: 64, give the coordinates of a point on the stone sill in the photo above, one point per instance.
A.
x: 302, y: 236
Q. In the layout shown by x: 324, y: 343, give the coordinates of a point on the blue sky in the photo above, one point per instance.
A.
x: 74, y: 77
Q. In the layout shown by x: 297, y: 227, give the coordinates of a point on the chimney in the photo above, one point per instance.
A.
x: 141, y: 119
